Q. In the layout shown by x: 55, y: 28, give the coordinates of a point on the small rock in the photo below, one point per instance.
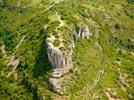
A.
x: 51, y: 39
x: 84, y: 32
x: 59, y: 72
x: 14, y: 62
x: 55, y: 85
x: 105, y: 15
x: 118, y: 63
x: 56, y: 74
x: 131, y: 53
x: 92, y: 14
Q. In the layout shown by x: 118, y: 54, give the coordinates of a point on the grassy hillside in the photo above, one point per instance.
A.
x: 103, y: 65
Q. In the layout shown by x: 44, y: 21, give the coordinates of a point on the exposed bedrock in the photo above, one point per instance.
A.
x: 61, y: 61
x: 83, y: 32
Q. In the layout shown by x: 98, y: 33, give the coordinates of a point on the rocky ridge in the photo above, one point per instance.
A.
x: 61, y: 61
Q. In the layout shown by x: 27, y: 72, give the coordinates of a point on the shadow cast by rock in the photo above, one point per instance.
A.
x: 42, y: 66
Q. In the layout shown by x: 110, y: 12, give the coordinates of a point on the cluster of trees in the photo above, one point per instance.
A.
x: 15, y: 23
x: 130, y: 1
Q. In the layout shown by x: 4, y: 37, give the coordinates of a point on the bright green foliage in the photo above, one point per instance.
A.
x: 110, y: 48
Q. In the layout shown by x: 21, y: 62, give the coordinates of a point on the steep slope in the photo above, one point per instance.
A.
x: 102, y: 64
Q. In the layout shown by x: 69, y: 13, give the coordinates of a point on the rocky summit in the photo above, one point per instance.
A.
x: 66, y: 49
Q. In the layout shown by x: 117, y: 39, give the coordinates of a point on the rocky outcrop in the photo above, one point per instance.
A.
x: 84, y: 32
x: 62, y: 61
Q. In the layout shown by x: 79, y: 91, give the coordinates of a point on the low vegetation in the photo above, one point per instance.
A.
x: 103, y: 65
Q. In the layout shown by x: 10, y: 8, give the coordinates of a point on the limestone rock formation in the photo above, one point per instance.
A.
x: 84, y: 32
x: 61, y: 61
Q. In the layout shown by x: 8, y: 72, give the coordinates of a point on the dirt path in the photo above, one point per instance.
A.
x: 4, y: 51
x: 48, y: 8
x: 61, y: 22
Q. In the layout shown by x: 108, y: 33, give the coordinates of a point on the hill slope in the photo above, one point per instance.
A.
x: 103, y: 64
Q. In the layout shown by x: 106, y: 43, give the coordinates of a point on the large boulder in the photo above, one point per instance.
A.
x: 61, y: 62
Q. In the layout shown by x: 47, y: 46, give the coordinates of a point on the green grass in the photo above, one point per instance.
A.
x: 114, y: 34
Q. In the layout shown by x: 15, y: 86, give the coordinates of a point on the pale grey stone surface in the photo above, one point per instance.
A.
x: 84, y: 32
x: 62, y: 61
x: 55, y: 85
x: 58, y: 59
